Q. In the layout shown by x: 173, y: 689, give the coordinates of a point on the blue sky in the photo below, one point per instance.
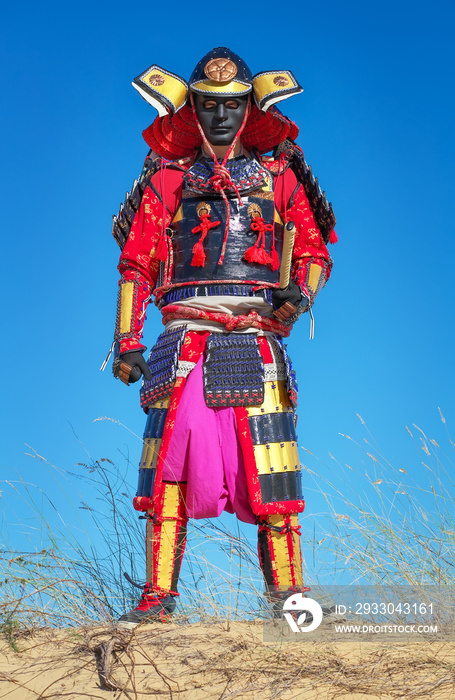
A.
x: 376, y: 121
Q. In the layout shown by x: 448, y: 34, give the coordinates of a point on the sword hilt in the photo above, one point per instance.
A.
x: 286, y: 258
x: 285, y: 311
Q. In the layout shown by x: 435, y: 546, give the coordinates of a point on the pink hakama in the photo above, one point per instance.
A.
x: 204, y: 451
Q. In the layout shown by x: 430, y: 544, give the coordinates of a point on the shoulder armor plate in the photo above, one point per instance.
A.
x: 122, y: 222
x: 321, y: 208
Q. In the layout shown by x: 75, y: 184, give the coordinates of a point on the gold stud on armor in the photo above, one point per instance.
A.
x: 203, y: 208
x: 281, y: 80
x: 156, y: 79
x: 254, y: 210
x: 220, y: 70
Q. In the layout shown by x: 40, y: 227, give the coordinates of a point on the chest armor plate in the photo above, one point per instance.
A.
x: 187, y: 228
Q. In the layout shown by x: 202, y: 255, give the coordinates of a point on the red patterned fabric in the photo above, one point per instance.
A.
x: 308, y: 242
x: 139, y: 252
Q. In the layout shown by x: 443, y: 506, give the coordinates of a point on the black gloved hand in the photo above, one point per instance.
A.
x: 139, y: 367
x: 291, y: 293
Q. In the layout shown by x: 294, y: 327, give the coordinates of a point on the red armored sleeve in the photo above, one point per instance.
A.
x: 311, y: 260
x: 140, y: 259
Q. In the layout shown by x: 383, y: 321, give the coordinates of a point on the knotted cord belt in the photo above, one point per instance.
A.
x: 172, y: 312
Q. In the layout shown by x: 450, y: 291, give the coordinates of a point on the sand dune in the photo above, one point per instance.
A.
x: 220, y: 660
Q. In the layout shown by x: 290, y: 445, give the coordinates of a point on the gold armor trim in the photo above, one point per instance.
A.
x: 277, y: 457
x: 270, y: 87
x: 126, y: 306
x: 168, y: 538
x: 314, y: 276
x: 263, y: 194
x: 161, y: 403
x: 150, y: 451
x: 234, y: 87
x: 162, y: 89
x: 166, y: 555
x: 163, y: 539
x: 151, y: 446
x: 166, y: 91
x: 149, y: 550
x: 276, y: 400
x: 268, y: 184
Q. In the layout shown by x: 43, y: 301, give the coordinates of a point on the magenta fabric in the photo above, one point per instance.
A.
x: 204, y: 451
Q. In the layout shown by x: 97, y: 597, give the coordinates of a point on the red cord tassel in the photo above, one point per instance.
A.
x: 274, y: 259
x: 204, y: 227
x: 198, y: 255
x: 333, y: 238
x: 257, y: 252
x: 257, y: 255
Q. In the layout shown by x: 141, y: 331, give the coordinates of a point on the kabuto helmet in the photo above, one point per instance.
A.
x: 174, y: 133
x: 221, y: 72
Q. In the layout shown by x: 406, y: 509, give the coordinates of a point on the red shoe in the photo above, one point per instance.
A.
x: 153, y: 607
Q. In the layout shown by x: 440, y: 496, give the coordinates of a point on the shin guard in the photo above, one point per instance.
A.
x: 166, y: 539
x: 279, y: 552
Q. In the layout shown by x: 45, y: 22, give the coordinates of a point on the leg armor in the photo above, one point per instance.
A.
x: 165, y: 544
x: 166, y: 539
x: 273, y: 471
x: 279, y: 552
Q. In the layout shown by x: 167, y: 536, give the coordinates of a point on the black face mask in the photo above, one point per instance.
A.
x: 220, y: 117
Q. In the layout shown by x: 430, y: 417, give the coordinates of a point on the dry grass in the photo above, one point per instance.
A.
x: 196, y: 661
x: 387, y: 524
